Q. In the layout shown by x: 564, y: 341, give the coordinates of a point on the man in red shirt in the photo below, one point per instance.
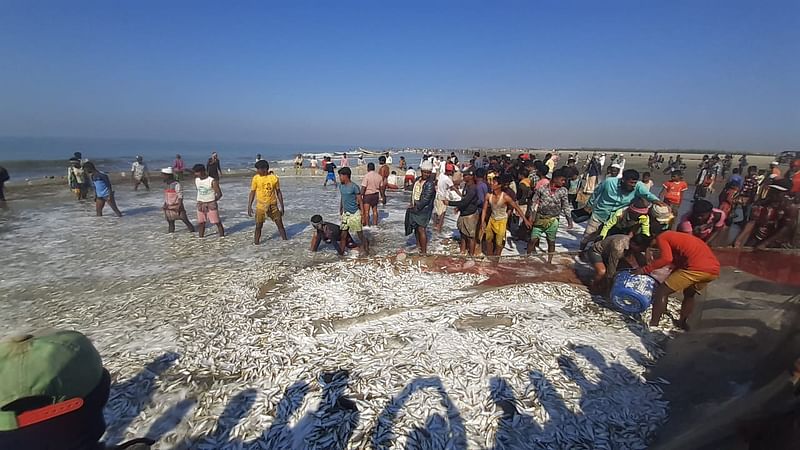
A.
x: 694, y: 267
x: 672, y: 192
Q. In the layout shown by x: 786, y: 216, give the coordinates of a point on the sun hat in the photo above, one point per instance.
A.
x: 426, y: 166
x: 663, y: 213
x: 774, y: 163
x: 617, y: 166
x: 639, y: 206
x: 57, y: 369
x: 167, y: 170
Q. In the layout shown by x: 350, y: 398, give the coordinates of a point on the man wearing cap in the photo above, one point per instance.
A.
x: 418, y: 214
x: 444, y: 184
x: 775, y: 170
x: 173, y: 201
x: 610, y: 196
x: 139, y: 172
x: 468, y: 216
x: 53, y: 392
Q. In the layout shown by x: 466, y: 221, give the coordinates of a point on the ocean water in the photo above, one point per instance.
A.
x: 30, y: 158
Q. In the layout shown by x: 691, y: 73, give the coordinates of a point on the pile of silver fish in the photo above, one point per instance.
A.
x: 359, y: 355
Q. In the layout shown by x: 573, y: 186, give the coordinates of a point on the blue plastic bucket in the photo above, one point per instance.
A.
x: 631, y: 293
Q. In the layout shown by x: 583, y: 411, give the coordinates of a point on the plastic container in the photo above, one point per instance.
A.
x: 632, y: 294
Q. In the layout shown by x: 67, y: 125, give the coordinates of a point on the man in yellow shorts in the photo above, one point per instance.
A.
x: 267, y: 189
x: 497, y: 203
x: 695, y: 267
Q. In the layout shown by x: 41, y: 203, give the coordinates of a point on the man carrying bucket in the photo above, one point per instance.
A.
x: 695, y: 267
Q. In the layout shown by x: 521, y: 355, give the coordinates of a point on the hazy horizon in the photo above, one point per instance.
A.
x: 621, y: 74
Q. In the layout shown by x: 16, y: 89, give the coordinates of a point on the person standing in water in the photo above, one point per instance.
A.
x: 173, y: 201
x: 139, y: 172
x: 298, y: 164
x: 266, y: 187
x: 330, y: 174
x: 103, y: 192
x: 350, y: 209
x: 177, y: 168
x: 495, y: 207
x: 383, y: 171
x: 214, y: 167
x: 208, y: 194
x: 3, y: 178
x: 76, y: 177
x: 370, y: 193
x: 313, y: 164
x: 418, y: 214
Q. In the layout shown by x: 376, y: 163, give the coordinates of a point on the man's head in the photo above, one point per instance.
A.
x: 262, y: 167
x: 425, y: 169
x: 613, y: 170
x: 167, y: 173
x: 736, y: 171
x: 327, y: 158
x: 370, y: 167
x: 469, y: 176
x: 344, y: 175
x: 558, y: 179
x: 316, y: 221
x: 646, y: 177
x: 639, y: 207
x: 382, y: 160
x: 640, y: 242
x: 139, y: 158
x: 199, y: 170
x: 504, y: 179
x: 177, y: 156
x: 75, y: 162
x: 629, y: 179
x: 214, y: 155
x: 701, y: 211
x: 449, y: 168
x: 752, y: 170
x: 676, y: 175
x: 540, y: 168
x: 480, y: 174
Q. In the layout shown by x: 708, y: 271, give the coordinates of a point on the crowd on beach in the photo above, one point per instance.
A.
x: 630, y: 224
x: 500, y: 198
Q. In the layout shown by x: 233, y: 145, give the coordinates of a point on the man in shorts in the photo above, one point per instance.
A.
x: 328, y: 233
x: 139, y: 173
x: 495, y: 208
x: 103, y: 190
x: 672, y: 192
x: 208, y: 194
x: 607, y: 255
x: 468, y: 213
x: 694, y: 267
x: 350, y: 207
x: 330, y: 174
x: 267, y: 189
x: 551, y: 201
x: 444, y: 184
x: 370, y: 192
x: 173, y: 201
x: 383, y: 171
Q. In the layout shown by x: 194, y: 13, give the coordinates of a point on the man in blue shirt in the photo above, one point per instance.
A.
x: 736, y: 178
x: 612, y: 195
x: 350, y: 209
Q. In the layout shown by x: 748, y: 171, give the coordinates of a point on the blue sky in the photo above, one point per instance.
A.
x: 688, y: 74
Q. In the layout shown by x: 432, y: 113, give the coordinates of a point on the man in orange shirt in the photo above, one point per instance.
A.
x: 672, y: 192
x: 695, y: 267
